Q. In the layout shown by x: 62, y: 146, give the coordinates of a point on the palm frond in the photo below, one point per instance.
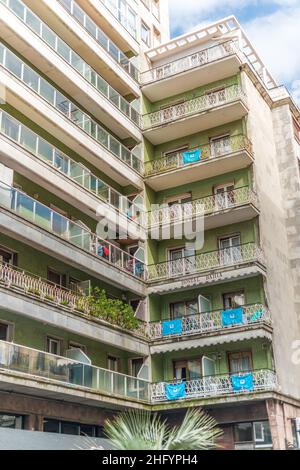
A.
x: 198, y: 431
x: 136, y: 430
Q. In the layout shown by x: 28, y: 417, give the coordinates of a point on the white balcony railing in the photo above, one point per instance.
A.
x: 71, y: 57
x: 222, y: 258
x: 110, y: 47
x: 73, y: 232
x: 192, y: 61
x: 213, y: 150
x: 203, y: 206
x: 14, y: 65
x: 217, y: 385
x: 30, y: 141
x: 203, y: 323
x: 196, y: 105
x: 32, y: 362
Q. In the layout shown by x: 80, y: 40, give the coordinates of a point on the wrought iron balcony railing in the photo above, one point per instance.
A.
x: 73, y: 232
x: 32, y: 362
x: 125, y: 15
x: 30, y: 141
x: 72, y: 58
x: 192, y: 61
x: 202, y: 207
x: 211, y: 151
x: 12, y: 63
x: 208, y: 322
x: 75, y: 300
x: 216, y: 386
x: 222, y: 258
x: 110, y: 47
x: 191, y: 107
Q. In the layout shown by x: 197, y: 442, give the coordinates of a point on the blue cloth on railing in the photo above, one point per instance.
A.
x: 232, y: 317
x: 256, y: 316
x: 191, y: 156
x: 175, y: 391
x: 242, y: 382
x: 139, y: 268
x: 172, y: 327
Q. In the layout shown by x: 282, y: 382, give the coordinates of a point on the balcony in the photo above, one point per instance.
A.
x: 221, y: 209
x: 189, y: 72
x: 218, y: 386
x: 193, y: 116
x: 50, y: 54
x: 214, y: 266
x: 40, y: 300
x: 216, y: 158
x: 82, y: 33
x: 255, y: 315
x: 31, y: 94
x: 74, y: 233
x: 20, y: 144
x: 69, y: 377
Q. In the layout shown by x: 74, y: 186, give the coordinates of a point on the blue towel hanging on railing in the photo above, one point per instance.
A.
x: 256, y: 316
x: 242, y: 382
x: 172, y: 327
x: 232, y: 317
x: 175, y: 391
x: 191, y: 156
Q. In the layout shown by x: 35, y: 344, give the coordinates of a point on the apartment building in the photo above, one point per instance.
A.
x: 113, y: 135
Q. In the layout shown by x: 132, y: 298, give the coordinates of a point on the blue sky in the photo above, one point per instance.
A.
x: 273, y: 26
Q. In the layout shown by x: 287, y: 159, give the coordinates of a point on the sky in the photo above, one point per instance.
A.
x: 273, y: 27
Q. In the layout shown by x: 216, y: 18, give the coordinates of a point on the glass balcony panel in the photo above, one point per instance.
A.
x: 60, y: 225
x: 47, y: 91
x: 102, y: 137
x: 61, y: 162
x: 62, y: 103
x: 90, y: 26
x: 63, y: 50
x: 45, y: 150
x: 33, y: 22
x: 78, y: 13
x: 102, y: 86
x: 43, y: 217
x: 102, y: 39
x: 114, y: 146
x: 25, y: 206
x: 114, y: 51
x: 103, y: 191
x: 76, y: 115
x: 48, y: 36
x: 13, y: 64
x: 28, y: 140
x: 31, y: 78
x: 18, y: 8
x: 10, y: 127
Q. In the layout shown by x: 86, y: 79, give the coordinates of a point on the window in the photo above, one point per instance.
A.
x: 56, y: 277
x: 136, y: 365
x: 230, y: 250
x: 224, y: 196
x: 257, y: 433
x: 182, y: 260
x: 75, y: 429
x: 11, y: 421
x: 240, y: 362
x: 182, y: 309
x: 8, y: 257
x: 145, y: 34
x: 187, y: 370
x: 6, y: 331
x: 113, y: 363
x: 176, y: 209
x: 233, y: 300
x: 216, y: 97
x: 220, y: 145
x: 54, y: 346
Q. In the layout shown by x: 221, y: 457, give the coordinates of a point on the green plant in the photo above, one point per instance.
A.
x: 141, y: 430
x: 34, y: 292
x: 49, y: 297
x: 65, y: 303
x: 111, y: 310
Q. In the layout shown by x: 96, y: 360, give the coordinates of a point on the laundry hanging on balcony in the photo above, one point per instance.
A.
x: 102, y: 251
x: 172, y: 327
x: 191, y: 156
x: 175, y: 391
x: 232, y: 317
x: 256, y: 316
x: 242, y: 382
